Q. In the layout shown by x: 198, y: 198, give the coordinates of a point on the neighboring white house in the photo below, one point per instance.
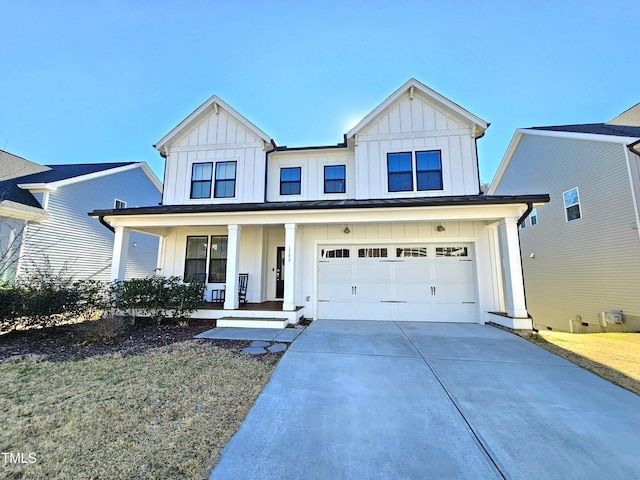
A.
x: 388, y: 225
x: 581, y: 251
x: 43, y: 217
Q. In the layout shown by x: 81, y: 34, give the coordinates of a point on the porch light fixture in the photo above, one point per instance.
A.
x: 346, y: 230
x: 440, y: 228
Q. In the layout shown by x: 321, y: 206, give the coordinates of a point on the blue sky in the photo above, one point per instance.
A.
x: 98, y: 81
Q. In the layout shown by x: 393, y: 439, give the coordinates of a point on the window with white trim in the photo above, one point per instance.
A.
x: 533, y: 217
x: 119, y: 204
x: 335, y: 253
x: 411, y: 252
x: 428, y: 171
x: 572, y: 204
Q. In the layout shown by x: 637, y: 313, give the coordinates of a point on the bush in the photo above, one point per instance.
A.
x: 44, y: 297
x: 157, y: 297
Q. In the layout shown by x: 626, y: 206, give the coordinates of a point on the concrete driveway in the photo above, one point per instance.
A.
x: 384, y: 400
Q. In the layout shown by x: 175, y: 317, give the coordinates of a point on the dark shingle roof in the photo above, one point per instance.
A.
x: 595, y: 128
x: 330, y: 204
x: 10, y: 191
x: 64, y: 172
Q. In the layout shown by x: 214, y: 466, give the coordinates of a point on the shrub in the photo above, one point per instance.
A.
x: 157, y: 297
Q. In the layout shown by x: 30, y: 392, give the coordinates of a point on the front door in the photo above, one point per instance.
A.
x: 280, y: 273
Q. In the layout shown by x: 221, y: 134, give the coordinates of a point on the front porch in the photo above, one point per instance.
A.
x: 267, y: 314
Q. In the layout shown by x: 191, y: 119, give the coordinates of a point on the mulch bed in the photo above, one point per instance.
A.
x: 107, y: 336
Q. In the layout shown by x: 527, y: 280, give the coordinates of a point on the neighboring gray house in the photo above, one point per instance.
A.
x: 581, y: 251
x: 43, y: 217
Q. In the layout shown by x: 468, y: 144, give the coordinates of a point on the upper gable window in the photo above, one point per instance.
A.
x: 201, y: 180
x: 225, y: 180
x: 290, y: 181
x: 119, y: 204
x: 572, y: 204
x: 400, y: 172
x: 429, y: 170
x: 334, y: 178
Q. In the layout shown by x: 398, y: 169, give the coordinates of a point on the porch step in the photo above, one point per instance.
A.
x: 252, y: 322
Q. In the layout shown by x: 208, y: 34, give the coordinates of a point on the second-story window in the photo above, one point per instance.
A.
x: 429, y: 170
x: 400, y: 172
x: 334, y: 179
x: 201, y: 180
x: 290, y: 181
x: 572, y: 204
x: 225, y: 180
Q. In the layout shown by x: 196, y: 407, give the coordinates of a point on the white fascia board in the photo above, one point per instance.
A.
x: 53, y: 186
x: 426, y: 91
x: 22, y: 212
x: 202, y: 109
x: 487, y: 213
x: 549, y: 133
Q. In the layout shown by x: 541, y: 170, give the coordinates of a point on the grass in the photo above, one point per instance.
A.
x: 613, y: 356
x: 166, y: 414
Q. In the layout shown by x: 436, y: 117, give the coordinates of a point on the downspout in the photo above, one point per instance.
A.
x: 524, y: 284
x: 266, y: 167
x: 103, y: 222
x: 526, y: 213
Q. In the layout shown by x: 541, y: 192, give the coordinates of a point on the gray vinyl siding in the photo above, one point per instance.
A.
x: 71, y: 239
x: 587, y: 265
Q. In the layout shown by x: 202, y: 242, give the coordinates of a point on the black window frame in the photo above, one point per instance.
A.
x: 194, y: 182
x: 225, y: 181
x: 428, y: 171
x: 340, y: 181
x: 290, y: 183
x: 199, y: 270
x: 397, y: 174
x: 218, y: 274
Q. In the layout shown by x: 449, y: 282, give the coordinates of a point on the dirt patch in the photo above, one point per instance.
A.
x: 105, y: 336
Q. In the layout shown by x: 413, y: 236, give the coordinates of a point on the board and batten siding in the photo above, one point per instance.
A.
x: 72, y: 240
x: 585, y: 266
x: 217, y: 137
x: 312, y: 163
x: 414, y: 125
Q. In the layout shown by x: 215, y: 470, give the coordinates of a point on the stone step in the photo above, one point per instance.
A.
x: 252, y: 322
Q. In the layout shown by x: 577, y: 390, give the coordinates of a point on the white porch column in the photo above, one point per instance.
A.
x: 514, y: 282
x: 120, y: 252
x: 233, y: 260
x: 288, y: 302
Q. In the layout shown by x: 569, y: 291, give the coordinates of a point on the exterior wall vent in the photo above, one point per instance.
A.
x: 610, y: 317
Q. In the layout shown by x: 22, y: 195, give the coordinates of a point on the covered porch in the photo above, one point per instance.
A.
x: 283, y: 252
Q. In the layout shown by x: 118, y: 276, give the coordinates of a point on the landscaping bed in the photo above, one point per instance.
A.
x: 111, y: 399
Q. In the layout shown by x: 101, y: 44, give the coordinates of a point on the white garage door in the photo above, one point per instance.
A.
x: 397, y: 282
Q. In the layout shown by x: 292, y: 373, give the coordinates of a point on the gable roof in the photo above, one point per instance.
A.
x: 596, y: 129
x: 411, y: 85
x: 59, y: 175
x: 66, y: 172
x: 214, y: 102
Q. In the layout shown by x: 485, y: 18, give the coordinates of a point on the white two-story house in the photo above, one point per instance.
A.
x: 388, y: 225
